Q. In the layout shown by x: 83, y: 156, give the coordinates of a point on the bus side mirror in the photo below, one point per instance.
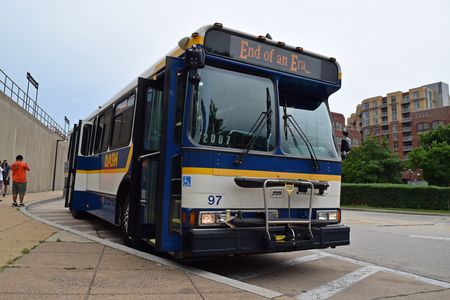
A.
x: 194, y: 57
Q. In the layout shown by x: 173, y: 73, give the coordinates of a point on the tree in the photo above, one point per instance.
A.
x: 372, y: 163
x: 433, y: 156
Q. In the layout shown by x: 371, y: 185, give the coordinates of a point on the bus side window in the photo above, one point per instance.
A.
x: 87, y: 130
x: 102, y: 132
x: 92, y: 139
x: 122, y: 123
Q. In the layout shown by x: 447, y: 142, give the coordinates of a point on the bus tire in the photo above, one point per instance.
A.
x: 124, y: 218
x: 78, y: 214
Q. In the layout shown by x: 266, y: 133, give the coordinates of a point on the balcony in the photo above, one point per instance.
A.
x: 405, y: 110
x: 407, y: 138
x: 384, y: 123
x: 385, y: 132
x: 408, y: 119
x: 406, y: 129
x: 384, y: 104
x: 407, y: 148
x: 405, y: 101
x: 384, y: 114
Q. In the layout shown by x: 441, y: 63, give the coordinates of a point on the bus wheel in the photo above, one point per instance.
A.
x: 78, y: 214
x: 124, y: 220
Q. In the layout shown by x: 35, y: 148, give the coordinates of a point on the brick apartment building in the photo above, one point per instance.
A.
x: 401, y: 116
x: 338, y: 126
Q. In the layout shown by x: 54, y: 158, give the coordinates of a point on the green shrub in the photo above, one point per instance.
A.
x: 396, y: 196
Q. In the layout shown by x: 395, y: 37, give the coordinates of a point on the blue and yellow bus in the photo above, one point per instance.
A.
x: 223, y: 147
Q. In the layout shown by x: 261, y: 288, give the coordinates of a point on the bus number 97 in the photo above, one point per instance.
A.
x: 214, y: 199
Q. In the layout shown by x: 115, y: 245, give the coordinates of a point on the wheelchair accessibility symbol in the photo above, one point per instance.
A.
x: 187, y: 181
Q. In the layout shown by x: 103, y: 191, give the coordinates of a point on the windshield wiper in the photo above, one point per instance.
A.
x: 289, y: 118
x: 265, y: 118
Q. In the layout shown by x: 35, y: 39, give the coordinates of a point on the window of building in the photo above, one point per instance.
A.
x: 416, y: 95
x: 416, y: 105
x: 436, y: 124
x: 421, y: 127
x: 375, y: 130
x: 366, y: 105
x: 393, y: 99
x: 365, y: 115
x: 375, y: 104
x: 122, y: 123
x: 338, y: 125
x: 395, y: 145
x: 429, y: 99
x: 405, y: 98
x: 366, y: 132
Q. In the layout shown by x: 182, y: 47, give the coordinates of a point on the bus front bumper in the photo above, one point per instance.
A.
x: 200, y: 242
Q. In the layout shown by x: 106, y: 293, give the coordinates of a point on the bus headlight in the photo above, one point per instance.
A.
x: 207, y: 218
x: 328, y: 216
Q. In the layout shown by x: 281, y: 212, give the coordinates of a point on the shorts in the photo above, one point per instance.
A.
x: 19, y: 188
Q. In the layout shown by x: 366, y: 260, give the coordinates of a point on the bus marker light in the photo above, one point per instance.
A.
x: 192, y: 218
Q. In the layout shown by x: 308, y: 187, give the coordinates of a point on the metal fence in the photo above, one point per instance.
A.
x: 13, y: 91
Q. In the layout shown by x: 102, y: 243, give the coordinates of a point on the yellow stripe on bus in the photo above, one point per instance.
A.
x: 107, y: 171
x: 259, y: 174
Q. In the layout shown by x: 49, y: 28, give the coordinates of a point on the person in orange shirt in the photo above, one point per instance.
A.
x: 19, y: 175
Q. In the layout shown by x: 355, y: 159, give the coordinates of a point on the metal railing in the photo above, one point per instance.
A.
x: 406, y: 129
x: 15, y: 93
x: 408, y: 119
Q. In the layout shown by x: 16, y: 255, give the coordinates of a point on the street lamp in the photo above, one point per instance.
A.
x: 36, y: 85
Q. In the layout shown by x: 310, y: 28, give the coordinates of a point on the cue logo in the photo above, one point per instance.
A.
x: 111, y: 160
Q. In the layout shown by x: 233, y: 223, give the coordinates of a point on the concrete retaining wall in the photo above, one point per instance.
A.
x: 21, y: 133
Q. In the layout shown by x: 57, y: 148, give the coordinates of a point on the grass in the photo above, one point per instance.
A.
x: 391, y: 209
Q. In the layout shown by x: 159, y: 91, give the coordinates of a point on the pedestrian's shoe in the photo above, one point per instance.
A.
x: 14, y: 204
x: 21, y: 205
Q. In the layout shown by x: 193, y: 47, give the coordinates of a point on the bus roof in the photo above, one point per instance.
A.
x: 198, y: 38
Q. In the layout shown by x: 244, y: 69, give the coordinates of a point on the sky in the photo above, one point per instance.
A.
x: 83, y: 52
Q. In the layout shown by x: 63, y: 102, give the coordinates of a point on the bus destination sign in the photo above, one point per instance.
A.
x: 270, y: 56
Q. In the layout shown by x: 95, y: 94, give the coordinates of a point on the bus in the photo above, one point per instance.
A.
x: 223, y: 147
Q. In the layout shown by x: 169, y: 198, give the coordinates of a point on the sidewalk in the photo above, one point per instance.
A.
x: 38, y: 261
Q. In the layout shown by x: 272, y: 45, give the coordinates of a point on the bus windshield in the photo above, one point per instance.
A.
x: 312, y: 117
x: 226, y: 107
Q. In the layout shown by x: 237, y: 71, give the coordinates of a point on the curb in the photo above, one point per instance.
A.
x: 201, y: 273
x: 396, y: 212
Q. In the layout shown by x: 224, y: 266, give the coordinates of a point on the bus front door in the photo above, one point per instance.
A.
x: 155, y: 156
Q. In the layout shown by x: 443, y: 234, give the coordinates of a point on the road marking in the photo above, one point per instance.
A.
x: 283, y: 265
x: 430, y: 237
x: 428, y: 280
x: 336, y: 286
